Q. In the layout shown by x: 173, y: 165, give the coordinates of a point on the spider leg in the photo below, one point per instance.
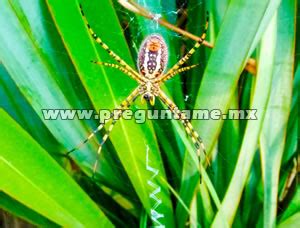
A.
x: 126, y: 103
x: 178, y: 71
x: 187, y: 125
x: 187, y: 55
x: 107, y: 49
x: 87, y: 139
x: 105, y: 137
x: 116, y: 66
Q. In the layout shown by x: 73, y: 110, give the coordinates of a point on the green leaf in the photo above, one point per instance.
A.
x: 235, y: 42
x: 45, y: 54
x: 293, y: 207
x: 14, y: 207
x: 25, y: 162
x: 107, y: 88
x: 253, y: 127
x: 293, y: 221
x: 292, y: 132
x: 229, y: 144
x: 16, y: 105
x: 273, y: 134
x: 28, y: 65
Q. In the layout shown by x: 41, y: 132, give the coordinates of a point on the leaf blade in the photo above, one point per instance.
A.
x: 29, y: 170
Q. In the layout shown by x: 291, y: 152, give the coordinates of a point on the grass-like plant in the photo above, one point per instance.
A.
x: 147, y: 173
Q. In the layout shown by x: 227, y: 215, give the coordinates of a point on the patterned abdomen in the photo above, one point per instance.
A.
x: 153, y: 56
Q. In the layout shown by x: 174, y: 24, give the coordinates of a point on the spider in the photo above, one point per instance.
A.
x: 151, y: 64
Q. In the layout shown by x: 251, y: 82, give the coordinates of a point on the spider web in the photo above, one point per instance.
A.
x: 189, y: 15
x: 185, y: 14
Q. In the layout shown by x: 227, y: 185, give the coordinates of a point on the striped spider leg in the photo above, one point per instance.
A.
x: 152, y: 62
x: 115, y: 117
x: 187, y: 125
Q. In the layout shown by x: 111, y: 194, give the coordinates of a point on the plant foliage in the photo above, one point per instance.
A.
x: 45, y: 63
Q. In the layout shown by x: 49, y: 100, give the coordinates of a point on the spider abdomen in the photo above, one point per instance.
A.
x: 153, y: 56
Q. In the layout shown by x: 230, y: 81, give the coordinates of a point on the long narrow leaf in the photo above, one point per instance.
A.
x: 225, y: 65
x: 273, y: 134
x: 59, y: 199
x: 249, y: 144
x: 107, y: 88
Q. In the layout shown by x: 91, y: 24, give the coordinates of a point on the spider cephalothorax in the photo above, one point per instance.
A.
x: 148, y: 91
x: 152, y: 62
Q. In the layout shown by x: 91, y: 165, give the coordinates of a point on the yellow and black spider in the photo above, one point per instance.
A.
x: 152, y: 62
